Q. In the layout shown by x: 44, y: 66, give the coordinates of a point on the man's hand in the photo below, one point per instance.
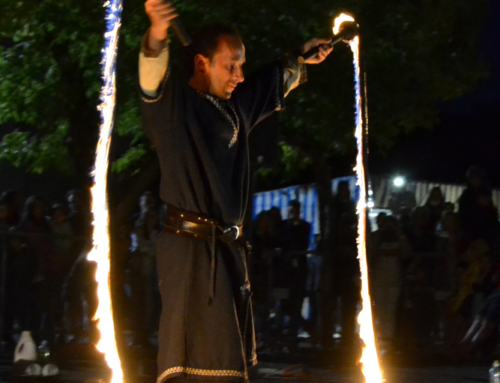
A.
x: 160, y: 13
x: 324, y: 50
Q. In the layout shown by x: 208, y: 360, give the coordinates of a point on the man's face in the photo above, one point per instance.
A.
x: 293, y: 212
x: 59, y: 216
x: 75, y: 202
x: 225, y: 71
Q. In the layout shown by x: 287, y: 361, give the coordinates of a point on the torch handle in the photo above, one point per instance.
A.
x: 181, y: 33
x: 314, y: 51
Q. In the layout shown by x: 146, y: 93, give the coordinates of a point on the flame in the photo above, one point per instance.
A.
x: 100, y: 250
x: 369, y: 359
x: 339, y: 20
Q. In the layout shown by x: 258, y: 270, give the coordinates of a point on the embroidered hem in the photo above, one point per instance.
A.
x: 200, y: 372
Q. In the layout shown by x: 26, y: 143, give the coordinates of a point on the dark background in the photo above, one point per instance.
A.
x: 468, y: 132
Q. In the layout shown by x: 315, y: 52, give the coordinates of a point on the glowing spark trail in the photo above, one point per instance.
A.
x: 100, y: 251
x: 369, y: 358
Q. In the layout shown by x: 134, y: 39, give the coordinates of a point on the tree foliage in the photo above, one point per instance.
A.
x: 416, y: 54
x: 49, y: 66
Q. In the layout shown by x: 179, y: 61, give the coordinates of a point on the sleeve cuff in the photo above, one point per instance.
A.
x: 294, y: 73
x: 150, y: 52
x: 152, y: 68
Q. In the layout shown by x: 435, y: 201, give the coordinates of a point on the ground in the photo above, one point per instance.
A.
x: 80, y: 363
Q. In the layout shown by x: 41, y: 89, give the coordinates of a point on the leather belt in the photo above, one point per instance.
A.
x: 186, y: 223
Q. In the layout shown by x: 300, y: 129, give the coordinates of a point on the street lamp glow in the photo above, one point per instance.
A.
x: 399, y: 182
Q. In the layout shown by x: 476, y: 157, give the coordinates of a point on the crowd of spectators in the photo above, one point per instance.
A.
x: 285, y: 270
x: 40, y: 245
x: 434, y: 272
x: 48, y: 286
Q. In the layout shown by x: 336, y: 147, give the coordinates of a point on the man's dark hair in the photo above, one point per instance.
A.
x: 8, y: 196
x: 343, y: 185
x: 206, y: 41
x: 475, y: 172
x: 294, y: 203
x: 58, y: 206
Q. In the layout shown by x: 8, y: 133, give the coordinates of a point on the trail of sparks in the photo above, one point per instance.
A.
x: 100, y: 250
x: 369, y: 359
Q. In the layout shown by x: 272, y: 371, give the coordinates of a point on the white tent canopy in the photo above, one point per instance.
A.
x: 381, y: 187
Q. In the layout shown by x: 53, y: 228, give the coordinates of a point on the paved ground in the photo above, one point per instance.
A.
x: 80, y: 364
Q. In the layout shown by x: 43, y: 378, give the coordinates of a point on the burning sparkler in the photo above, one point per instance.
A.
x: 345, y: 29
x: 100, y: 251
x: 369, y: 358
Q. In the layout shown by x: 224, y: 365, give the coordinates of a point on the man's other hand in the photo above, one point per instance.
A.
x: 160, y: 13
x: 324, y: 50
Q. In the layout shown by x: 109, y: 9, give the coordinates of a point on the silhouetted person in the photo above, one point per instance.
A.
x: 20, y: 303
x: 420, y: 283
x: 63, y: 235
x: 80, y: 301
x: 390, y: 250
x: 80, y: 218
x: 435, y: 204
x: 51, y: 266
x: 478, y: 215
x: 294, y: 235
x: 265, y: 240
x: 402, y: 201
x: 12, y: 200
x: 475, y: 265
x: 143, y: 276
x: 341, y: 275
x: 451, y: 245
x: 484, y: 331
x: 147, y: 202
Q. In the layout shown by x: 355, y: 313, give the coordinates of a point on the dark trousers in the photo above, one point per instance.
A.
x: 340, y: 291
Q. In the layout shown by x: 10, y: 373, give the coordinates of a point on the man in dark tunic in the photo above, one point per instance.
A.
x: 200, y: 130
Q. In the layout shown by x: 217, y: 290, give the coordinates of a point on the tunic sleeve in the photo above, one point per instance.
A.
x: 261, y: 94
x: 294, y: 73
x: 152, y: 67
x: 152, y: 70
x: 159, y: 112
x: 157, y: 91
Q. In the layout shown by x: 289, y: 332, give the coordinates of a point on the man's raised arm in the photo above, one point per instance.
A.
x: 294, y: 71
x: 154, y: 56
x: 153, y: 59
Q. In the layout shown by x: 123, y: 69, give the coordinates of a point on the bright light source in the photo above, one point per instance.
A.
x: 370, y: 204
x: 399, y: 182
x: 339, y: 20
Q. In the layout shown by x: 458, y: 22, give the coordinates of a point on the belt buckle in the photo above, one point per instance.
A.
x: 229, y: 229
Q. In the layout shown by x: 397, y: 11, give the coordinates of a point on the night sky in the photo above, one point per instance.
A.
x: 468, y: 133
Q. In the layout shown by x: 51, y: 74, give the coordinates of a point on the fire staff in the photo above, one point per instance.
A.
x: 200, y: 129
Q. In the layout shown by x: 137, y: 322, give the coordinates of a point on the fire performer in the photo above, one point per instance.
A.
x: 200, y: 129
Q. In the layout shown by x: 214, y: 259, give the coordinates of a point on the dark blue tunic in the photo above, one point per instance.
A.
x: 202, y: 173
